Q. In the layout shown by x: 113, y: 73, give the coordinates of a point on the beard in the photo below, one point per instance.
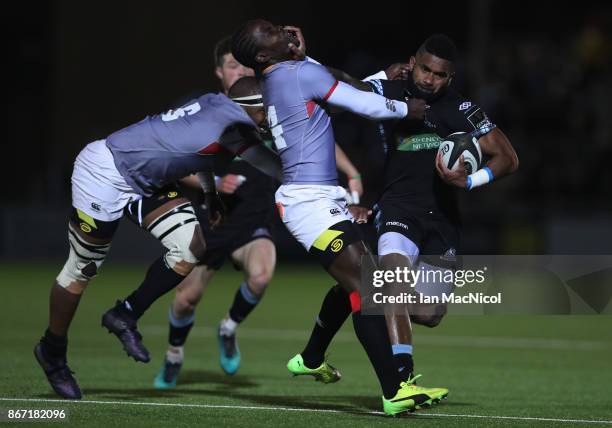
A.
x: 417, y: 92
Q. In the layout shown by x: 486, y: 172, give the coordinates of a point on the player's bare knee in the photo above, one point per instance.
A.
x: 431, y: 318
x: 258, y: 282
x: 393, y: 260
x: 430, y: 321
x: 186, y: 300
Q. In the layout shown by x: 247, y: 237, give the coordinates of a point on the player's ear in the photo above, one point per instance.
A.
x: 450, y: 80
x: 262, y: 57
x: 411, y: 63
x: 219, y: 73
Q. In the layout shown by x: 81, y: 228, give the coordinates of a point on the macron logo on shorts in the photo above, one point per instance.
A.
x: 396, y: 224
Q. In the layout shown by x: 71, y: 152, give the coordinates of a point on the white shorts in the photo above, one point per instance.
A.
x: 97, y: 187
x: 309, y: 210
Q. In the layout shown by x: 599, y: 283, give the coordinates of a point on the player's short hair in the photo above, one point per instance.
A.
x: 222, y: 47
x: 247, y: 86
x: 441, y: 46
x: 244, y: 45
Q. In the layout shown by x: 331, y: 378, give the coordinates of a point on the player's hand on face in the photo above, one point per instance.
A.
x: 397, y: 71
x: 416, y: 108
x: 359, y: 213
x: 229, y: 183
x: 456, y: 176
x: 299, y: 52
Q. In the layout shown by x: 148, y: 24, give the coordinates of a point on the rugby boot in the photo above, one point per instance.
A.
x: 325, y: 373
x: 229, y: 354
x: 166, y: 378
x: 412, y: 397
x: 118, y: 321
x: 58, y: 373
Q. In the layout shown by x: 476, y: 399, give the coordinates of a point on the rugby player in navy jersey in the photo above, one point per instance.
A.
x: 418, y: 218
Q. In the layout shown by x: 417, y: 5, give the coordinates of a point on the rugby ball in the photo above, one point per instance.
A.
x: 458, y: 144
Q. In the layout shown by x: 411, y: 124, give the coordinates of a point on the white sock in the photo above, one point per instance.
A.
x: 175, y: 354
x: 227, y: 327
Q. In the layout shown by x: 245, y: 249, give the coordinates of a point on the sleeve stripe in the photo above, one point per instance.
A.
x: 331, y: 90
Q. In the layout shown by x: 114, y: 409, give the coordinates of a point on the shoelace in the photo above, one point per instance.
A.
x: 410, y: 382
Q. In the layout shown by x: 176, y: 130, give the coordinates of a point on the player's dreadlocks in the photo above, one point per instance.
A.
x: 441, y: 46
x: 244, y: 46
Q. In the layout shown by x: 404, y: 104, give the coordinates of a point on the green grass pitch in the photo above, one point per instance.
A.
x: 501, y: 370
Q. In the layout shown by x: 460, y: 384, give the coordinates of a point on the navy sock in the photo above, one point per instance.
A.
x: 244, y: 302
x: 179, y: 328
x: 402, y: 354
x: 55, y: 346
x: 159, y: 280
x: 335, y: 309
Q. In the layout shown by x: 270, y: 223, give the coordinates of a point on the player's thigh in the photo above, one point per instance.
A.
x: 399, y: 233
x: 310, y: 211
x: 341, y: 251
x: 99, y: 194
x: 439, y: 258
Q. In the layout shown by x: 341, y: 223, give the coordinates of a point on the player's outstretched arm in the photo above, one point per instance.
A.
x: 367, y: 104
x: 317, y: 83
x: 343, y: 76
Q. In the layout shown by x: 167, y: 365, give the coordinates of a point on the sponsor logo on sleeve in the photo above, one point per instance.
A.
x: 478, y: 118
x: 336, y: 245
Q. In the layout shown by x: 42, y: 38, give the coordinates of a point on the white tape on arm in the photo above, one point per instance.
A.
x: 381, y: 75
x: 314, y: 61
x: 480, y: 178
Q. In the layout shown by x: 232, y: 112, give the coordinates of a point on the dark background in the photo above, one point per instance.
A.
x: 78, y: 71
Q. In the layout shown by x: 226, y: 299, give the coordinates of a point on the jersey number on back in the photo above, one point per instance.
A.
x: 180, y: 112
x: 276, y: 129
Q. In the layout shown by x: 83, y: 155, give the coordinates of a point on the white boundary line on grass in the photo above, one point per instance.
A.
x: 433, y: 340
x: 297, y: 409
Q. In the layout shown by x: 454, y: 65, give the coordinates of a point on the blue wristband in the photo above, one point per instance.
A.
x: 486, y: 168
x: 469, y: 182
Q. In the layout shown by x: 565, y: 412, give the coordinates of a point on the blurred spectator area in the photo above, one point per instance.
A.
x: 542, y: 72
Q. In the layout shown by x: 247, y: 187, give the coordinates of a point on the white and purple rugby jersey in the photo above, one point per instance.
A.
x: 301, y: 128
x: 163, y: 148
